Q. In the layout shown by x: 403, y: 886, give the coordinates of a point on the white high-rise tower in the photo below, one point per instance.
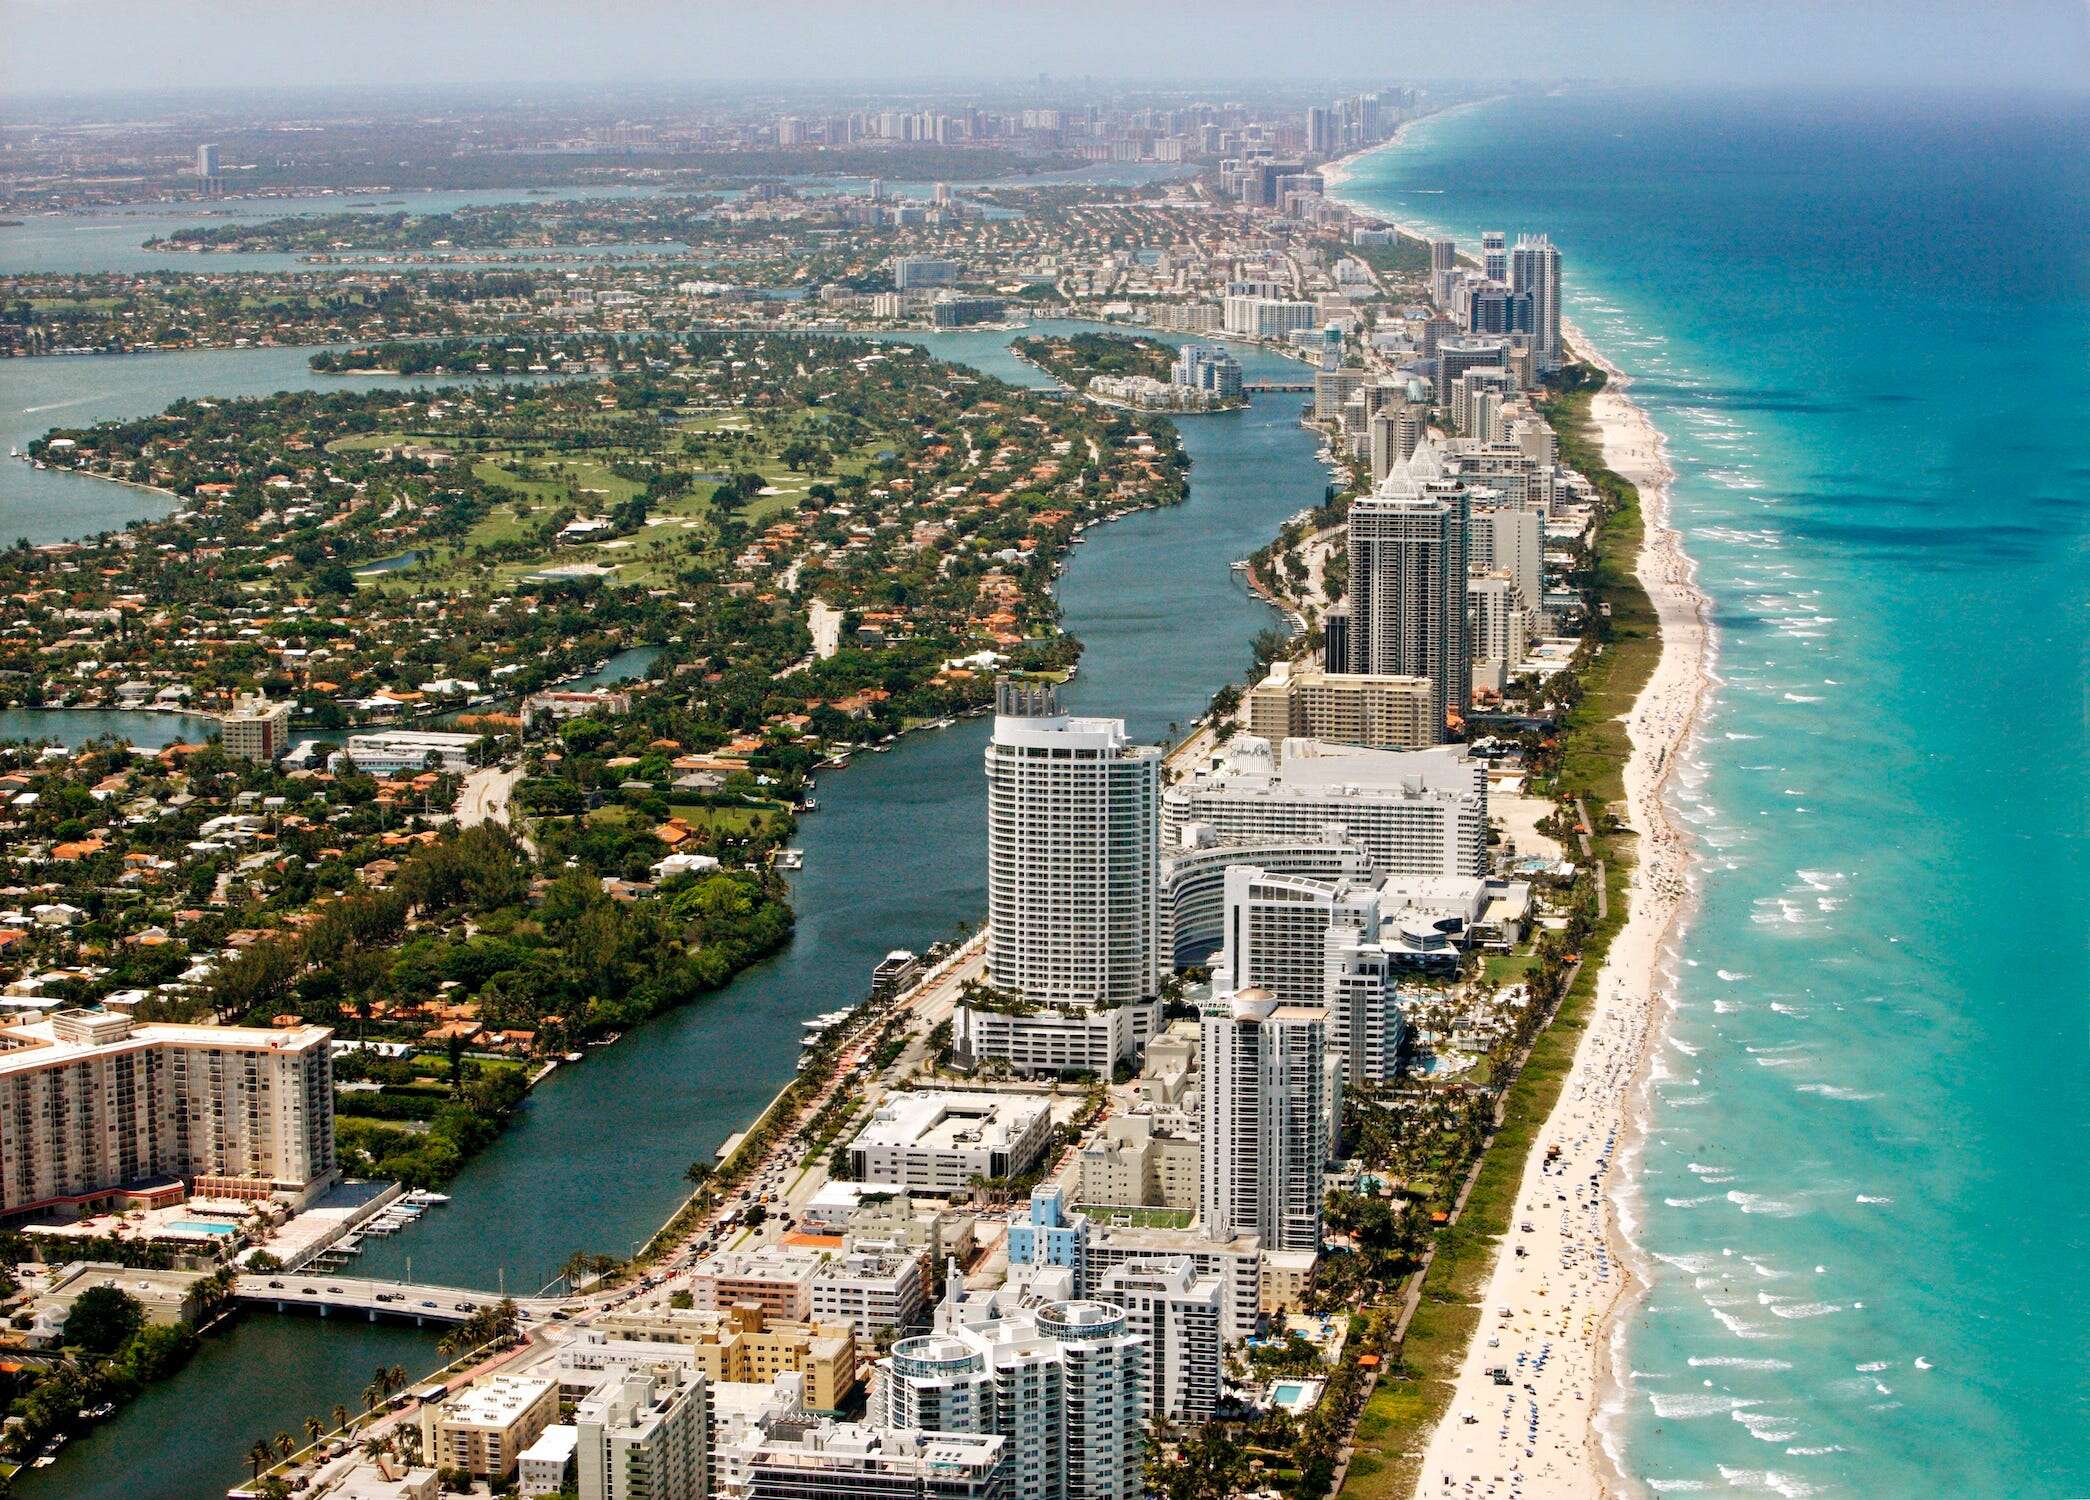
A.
x: 1534, y: 267
x: 1073, y: 856
x: 1265, y: 1107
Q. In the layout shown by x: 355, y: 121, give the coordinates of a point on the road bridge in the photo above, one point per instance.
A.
x: 410, y: 1301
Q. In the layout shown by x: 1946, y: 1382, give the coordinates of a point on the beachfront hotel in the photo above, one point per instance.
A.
x: 1073, y: 888
x: 1415, y: 813
x: 93, y: 1104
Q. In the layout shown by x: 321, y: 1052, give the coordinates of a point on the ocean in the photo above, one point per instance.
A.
x: 1861, y: 323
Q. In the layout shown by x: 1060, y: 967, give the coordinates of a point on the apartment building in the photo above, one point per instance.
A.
x: 484, y: 1428
x: 645, y: 1436
x: 91, y: 1101
x: 745, y: 1346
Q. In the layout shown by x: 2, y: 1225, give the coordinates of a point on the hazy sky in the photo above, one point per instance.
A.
x: 88, y: 45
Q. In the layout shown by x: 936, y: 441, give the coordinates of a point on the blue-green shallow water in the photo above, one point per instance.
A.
x: 1862, y: 326
x: 895, y: 857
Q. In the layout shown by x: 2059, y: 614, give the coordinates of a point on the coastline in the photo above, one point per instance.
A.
x: 1565, y: 1292
x: 1551, y: 1430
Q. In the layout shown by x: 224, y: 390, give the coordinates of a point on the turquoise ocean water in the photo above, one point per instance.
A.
x: 1864, y: 1197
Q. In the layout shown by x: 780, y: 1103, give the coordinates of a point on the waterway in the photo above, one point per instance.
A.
x: 73, y: 727
x: 595, y: 1160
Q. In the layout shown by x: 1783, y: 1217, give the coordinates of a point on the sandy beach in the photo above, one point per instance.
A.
x: 1563, y: 1276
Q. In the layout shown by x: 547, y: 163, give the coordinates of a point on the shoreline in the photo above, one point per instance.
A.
x: 1593, y: 1120
x: 1565, y: 1294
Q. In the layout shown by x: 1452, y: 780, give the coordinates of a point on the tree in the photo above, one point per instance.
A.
x: 260, y: 1453
x: 103, y: 1320
x: 1208, y: 1465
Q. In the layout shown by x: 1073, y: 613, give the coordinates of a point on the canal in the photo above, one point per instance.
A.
x: 595, y: 1160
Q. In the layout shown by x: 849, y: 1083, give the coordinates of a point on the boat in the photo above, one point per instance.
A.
x: 791, y: 859
x: 809, y: 805
x: 574, y: 1057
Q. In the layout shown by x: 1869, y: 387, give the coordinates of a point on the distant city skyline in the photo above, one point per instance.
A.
x: 86, y: 46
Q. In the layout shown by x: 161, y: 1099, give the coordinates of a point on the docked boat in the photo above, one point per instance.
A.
x: 791, y: 859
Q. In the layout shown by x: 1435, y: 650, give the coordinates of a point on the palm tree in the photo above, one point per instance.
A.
x: 260, y: 1455
x: 373, y: 1396
x: 285, y: 1445
x: 313, y: 1428
x: 340, y: 1417
x: 395, y: 1377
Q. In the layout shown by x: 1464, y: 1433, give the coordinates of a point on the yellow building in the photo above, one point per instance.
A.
x: 745, y: 1344
x: 1382, y: 713
x: 484, y: 1428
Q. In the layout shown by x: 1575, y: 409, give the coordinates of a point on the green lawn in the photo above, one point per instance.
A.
x: 1137, y: 1218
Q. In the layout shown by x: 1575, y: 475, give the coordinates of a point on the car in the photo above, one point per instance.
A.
x: 277, y: 1285
x: 428, y: 1303
x: 333, y: 1291
x: 309, y: 1291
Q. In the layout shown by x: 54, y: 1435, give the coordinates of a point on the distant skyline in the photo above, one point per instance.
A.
x: 88, y: 46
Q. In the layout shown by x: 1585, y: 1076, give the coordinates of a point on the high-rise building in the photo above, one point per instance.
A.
x: 1512, y: 539
x: 1207, y: 367
x: 1407, y: 589
x: 483, y: 1429
x: 1494, y: 257
x: 646, y: 1434
x: 207, y: 162
x: 1264, y: 1102
x: 1179, y: 1314
x: 1276, y: 926
x: 1343, y: 708
x: 90, y: 1101
x: 1267, y: 317
x: 1495, y: 622
x: 1534, y: 267
x: 1063, y: 1383
x: 256, y: 730
x: 1320, y: 134
x: 912, y: 272
x: 1073, y: 856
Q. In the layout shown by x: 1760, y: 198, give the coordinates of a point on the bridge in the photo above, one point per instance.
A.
x: 413, y: 1301
x: 1277, y: 385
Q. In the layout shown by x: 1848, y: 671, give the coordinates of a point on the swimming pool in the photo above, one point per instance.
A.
x: 199, y: 1226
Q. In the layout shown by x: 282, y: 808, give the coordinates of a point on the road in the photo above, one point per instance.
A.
x: 486, y: 796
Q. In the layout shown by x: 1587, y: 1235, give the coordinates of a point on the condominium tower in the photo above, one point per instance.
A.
x: 1265, y: 1107
x: 1534, y: 267
x: 1062, y: 1382
x: 90, y: 1101
x: 1408, y: 589
x: 1073, y: 856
